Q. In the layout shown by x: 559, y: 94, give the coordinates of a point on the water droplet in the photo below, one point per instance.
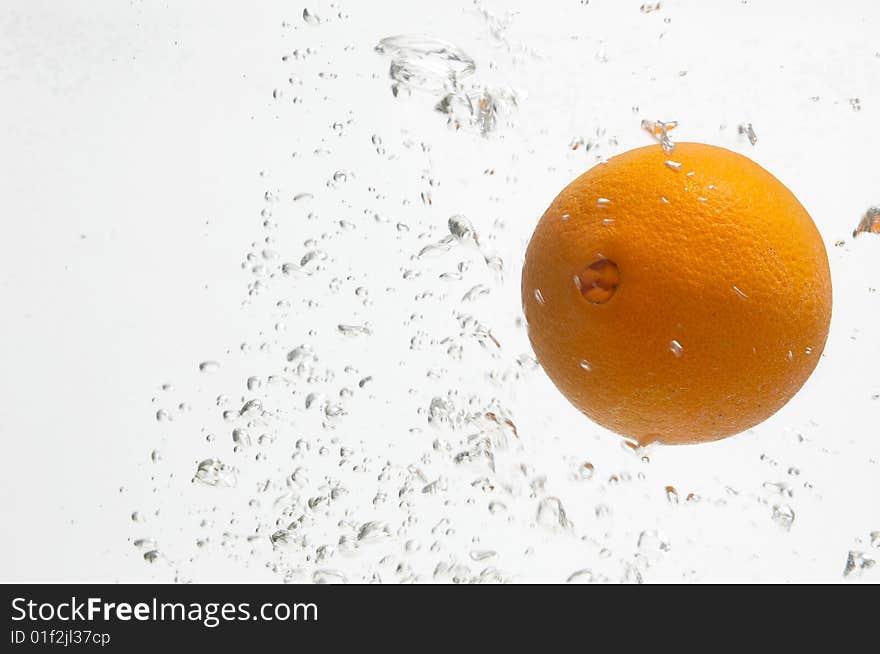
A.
x: 425, y: 63
x: 660, y: 131
x: 310, y: 18
x: 584, y: 576
x: 213, y: 472
x: 539, y: 297
x: 650, y: 542
x: 482, y: 555
x: 740, y: 293
x: 598, y: 282
x: 552, y: 514
x: 475, y: 292
x: 672, y: 165
x: 749, y: 132
x: 300, y: 353
x: 354, y: 330
x: 857, y: 563
x: 870, y: 223
x: 676, y: 348
x: 209, y: 366
x: 480, y: 110
x: 462, y: 229
x: 328, y: 577
x: 602, y: 202
x: 145, y: 544
x: 373, y: 531
x: 586, y: 471
x: 585, y: 365
x: 783, y: 515
x: 152, y: 556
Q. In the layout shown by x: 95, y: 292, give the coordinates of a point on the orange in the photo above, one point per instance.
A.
x: 679, y: 296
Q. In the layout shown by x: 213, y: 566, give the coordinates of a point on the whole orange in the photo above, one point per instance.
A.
x: 679, y: 296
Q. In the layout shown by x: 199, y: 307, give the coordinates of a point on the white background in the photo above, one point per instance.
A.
x: 138, y: 140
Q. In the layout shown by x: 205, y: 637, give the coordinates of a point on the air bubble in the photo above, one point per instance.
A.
x: 539, y: 297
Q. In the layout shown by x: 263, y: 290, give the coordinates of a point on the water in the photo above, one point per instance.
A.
x: 870, y: 223
x: 749, y: 132
x: 660, y: 130
x: 374, y: 410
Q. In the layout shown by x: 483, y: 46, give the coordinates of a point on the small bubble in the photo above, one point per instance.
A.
x: 857, y: 563
x: 310, y: 18
x: 740, y: 293
x: 783, y: 515
x: 354, y: 330
x: 152, y: 556
x: 213, y: 472
x: 552, y: 514
x: 586, y: 471
x: 749, y: 132
x: 462, y: 229
x: 660, y: 130
x: 651, y: 542
x: 482, y: 555
x: 870, y: 223
x: 539, y: 297
x: 328, y: 577
x: 584, y: 576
